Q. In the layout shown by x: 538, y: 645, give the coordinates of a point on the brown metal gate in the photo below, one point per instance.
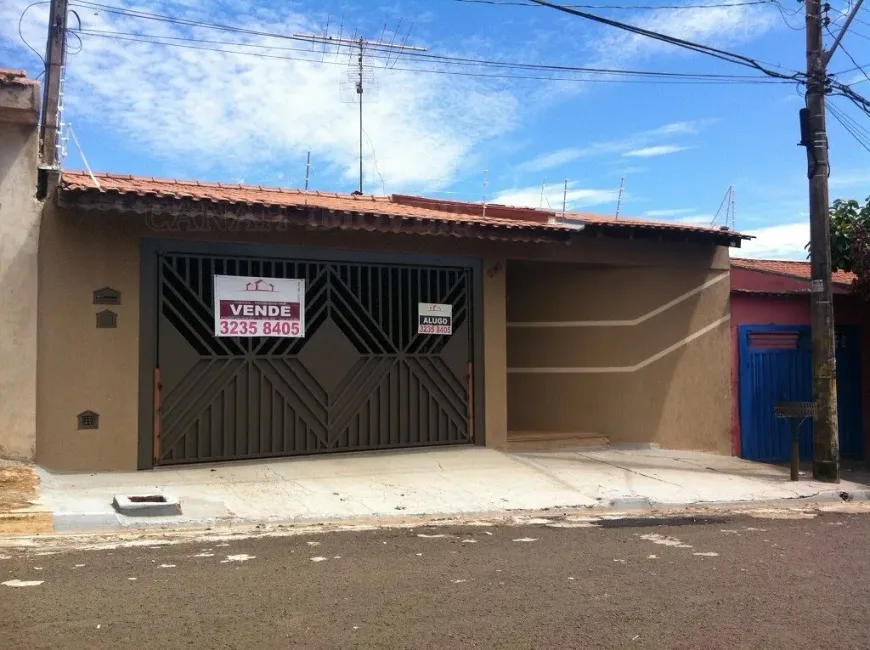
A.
x: 362, y: 378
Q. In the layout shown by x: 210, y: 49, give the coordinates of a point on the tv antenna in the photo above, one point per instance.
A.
x: 361, y: 76
x: 619, y: 198
x: 728, y: 205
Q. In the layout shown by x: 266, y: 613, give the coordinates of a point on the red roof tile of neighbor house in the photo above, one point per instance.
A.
x: 16, y: 77
x: 791, y: 268
x: 403, y: 207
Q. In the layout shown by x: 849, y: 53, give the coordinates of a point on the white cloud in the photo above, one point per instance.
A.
x: 226, y: 113
x: 553, y: 159
x: 553, y: 195
x: 670, y: 212
x: 851, y: 178
x: 697, y: 219
x: 785, y: 241
x: 714, y: 25
x: 658, y: 150
x: 621, y: 146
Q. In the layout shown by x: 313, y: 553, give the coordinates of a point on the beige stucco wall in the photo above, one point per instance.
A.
x: 19, y: 235
x: 81, y: 367
x: 637, y: 354
x: 84, y: 368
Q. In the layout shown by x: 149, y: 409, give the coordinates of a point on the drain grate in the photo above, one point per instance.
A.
x: 146, y: 505
x: 155, y: 498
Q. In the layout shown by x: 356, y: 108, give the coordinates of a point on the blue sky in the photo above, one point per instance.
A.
x: 148, y: 108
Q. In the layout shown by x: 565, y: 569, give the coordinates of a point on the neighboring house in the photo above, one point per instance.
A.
x: 772, y: 358
x: 553, y: 330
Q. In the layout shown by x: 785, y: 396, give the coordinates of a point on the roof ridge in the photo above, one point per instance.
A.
x: 769, y: 259
x: 223, y: 185
x: 388, y: 206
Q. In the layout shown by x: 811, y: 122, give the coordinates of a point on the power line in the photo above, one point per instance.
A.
x: 783, y: 11
x: 851, y: 58
x: 841, y: 117
x: 615, y: 75
x: 146, y: 15
x: 845, y: 14
x: 517, y: 3
x: 864, y: 131
x: 859, y: 101
x: 389, y: 49
x: 449, y: 60
x: 724, y: 55
x: 21, y: 34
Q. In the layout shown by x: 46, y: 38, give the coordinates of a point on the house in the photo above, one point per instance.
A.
x: 553, y: 329
x: 772, y: 358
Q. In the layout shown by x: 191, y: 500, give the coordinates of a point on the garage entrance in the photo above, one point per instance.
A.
x: 362, y: 378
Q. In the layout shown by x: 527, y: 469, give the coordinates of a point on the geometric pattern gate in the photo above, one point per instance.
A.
x: 361, y: 378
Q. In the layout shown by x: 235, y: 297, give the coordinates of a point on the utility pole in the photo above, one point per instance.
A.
x: 55, y: 57
x: 826, y: 440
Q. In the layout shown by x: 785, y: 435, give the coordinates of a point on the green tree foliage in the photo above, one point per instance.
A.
x: 850, y: 242
x: 850, y: 223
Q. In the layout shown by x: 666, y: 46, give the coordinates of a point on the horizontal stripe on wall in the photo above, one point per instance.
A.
x: 624, y: 323
x: 623, y: 369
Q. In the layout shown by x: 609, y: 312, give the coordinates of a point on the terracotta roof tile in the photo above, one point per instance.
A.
x: 15, y: 77
x: 400, y: 206
x: 792, y: 268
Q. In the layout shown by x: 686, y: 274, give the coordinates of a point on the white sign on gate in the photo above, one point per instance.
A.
x: 433, y: 318
x: 251, y: 306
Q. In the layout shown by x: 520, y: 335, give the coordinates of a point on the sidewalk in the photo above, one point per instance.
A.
x: 450, y: 482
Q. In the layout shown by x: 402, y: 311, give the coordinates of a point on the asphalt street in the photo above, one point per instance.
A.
x: 741, y: 582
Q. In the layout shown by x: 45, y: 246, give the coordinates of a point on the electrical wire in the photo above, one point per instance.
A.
x: 21, y: 34
x: 842, y: 118
x: 851, y: 58
x: 847, y: 92
x: 72, y: 33
x: 783, y: 11
x: 724, y: 55
x: 645, y: 76
x: 387, y: 49
x: 857, y: 126
x: 146, y: 15
x: 517, y: 3
x: 845, y: 14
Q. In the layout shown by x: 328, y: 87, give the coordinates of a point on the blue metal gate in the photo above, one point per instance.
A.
x: 776, y: 366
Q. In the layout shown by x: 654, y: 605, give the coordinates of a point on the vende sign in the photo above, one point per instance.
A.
x: 251, y: 306
x: 433, y: 318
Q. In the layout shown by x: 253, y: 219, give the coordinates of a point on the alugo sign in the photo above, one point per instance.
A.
x: 434, y: 318
x: 251, y: 306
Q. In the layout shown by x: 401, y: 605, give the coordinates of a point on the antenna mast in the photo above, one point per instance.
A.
x: 485, y: 184
x: 619, y: 198
x: 360, y: 75
x: 359, y: 92
x: 307, y: 168
x: 728, y: 204
x: 565, y: 199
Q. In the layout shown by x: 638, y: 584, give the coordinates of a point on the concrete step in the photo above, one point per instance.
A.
x: 552, y: 441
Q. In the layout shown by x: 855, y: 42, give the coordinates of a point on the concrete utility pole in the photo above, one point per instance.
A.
x: 55, y: 57
x: 826, y: 442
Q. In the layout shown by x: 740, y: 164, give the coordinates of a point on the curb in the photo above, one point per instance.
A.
x: 44, y: 522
